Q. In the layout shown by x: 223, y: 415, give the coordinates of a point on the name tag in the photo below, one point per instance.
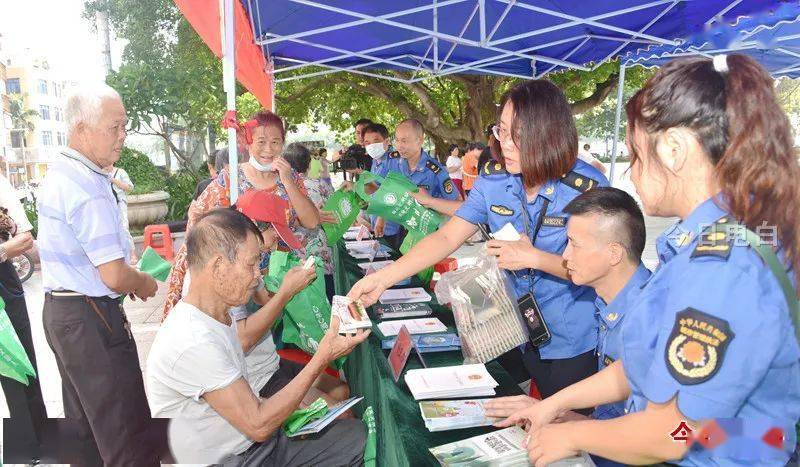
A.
x: 501, y: 210
x: 551, y: 221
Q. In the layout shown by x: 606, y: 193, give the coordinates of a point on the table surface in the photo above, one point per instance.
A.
x: 402, y: 439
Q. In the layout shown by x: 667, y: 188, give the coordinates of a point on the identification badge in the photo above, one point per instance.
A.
x: 538, y: 333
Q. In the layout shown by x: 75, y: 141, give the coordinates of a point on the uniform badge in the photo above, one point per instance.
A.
x: 713, y: 242
x: 696, y: 346
x: 607, y: 360
x: 502, y: 210
x: 433, y: 167
x: 551, y: 221
x: 448, y: 186
x: 492, y: 168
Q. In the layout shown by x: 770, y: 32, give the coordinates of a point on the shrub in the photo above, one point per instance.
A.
x: 146, y: 177
x: 180, y: 187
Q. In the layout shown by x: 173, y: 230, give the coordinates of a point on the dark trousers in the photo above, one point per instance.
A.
x: 396, y: 240
x: 25, y: 403
x: 101, y: 381
x: 552, y: 376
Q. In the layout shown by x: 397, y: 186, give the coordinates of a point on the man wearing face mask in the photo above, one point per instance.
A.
x: 376, y: 142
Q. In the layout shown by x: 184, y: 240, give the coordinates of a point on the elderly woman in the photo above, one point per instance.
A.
x: 265, y: 170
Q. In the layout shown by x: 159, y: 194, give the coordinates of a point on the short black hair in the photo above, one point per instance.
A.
x: 362, y: 121
x: 222, y: 230
x: 617, y: 204
x: 298, y: 156
x: 220, y: 159
x: 475, y: 145
x: 489, y: 130
x: 376, y: 128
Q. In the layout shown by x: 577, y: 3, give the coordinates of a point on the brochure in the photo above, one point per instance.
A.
x: 415, y: 326
x: 451, y: 381
x: 319, y: 424
x: 427, y: 343
x: 352, y: 314
x: 453, y: 415
x: 412, y: 295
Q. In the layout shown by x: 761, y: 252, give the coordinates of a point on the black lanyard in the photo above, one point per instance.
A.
x: 537, y: 227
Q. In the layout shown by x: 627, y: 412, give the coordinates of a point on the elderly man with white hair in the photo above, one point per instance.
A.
x: 85, y: 273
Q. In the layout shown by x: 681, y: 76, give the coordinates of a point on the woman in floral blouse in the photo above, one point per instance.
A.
x: 265, y: 170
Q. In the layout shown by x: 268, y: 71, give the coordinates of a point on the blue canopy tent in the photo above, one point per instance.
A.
x: 771, y: 37
x: 427, y: 38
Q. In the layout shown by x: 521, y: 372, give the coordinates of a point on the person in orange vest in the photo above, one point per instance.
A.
x: 470, y: 165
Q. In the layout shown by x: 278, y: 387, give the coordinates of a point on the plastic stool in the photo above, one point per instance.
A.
x: 298, y: 356
x: 159, y: 239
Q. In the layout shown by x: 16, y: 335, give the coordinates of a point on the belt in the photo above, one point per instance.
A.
x: 91, y: 302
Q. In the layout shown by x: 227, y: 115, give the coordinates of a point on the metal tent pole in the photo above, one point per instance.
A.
x: 617, y: 116
x: 229, y: 84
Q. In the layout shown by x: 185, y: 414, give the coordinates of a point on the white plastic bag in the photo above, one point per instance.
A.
x: 484, y: 308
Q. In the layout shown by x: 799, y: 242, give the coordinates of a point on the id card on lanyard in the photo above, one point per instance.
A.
x: 538, y: 333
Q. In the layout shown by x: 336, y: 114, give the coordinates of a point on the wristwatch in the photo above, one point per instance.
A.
x: 3, y: 254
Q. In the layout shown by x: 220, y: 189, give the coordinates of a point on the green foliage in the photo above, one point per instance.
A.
x: 180, y: 187
x: 144, y: 174
x: 33, y: 216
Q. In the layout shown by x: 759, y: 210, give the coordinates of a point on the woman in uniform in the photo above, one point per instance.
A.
x: 710, y: 363
x: 536, y: 177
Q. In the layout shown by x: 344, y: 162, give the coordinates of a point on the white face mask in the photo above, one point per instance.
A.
x: 259, y: 166
x: 375, y: 150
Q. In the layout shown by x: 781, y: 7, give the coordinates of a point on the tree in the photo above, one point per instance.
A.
x: 22, y: 118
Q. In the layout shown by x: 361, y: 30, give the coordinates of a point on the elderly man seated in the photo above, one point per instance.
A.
x: 197, y: 375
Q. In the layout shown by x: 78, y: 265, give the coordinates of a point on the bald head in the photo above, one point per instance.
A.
x: 408, y: 138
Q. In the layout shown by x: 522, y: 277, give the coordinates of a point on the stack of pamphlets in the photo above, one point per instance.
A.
x: 415, y: 326
x: 450, y: 381
x: 401, y: 310
x: 352, y: 314
x: 502, y: 448
x: 374, y: 266
x: 427, y: 343
x: 452, y: 415
x: 412, y: 295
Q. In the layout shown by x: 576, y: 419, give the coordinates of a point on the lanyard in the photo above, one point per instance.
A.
x: 536, y: 228
x: 94, y: 168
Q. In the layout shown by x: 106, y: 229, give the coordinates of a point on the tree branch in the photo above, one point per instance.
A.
x: 601, y: 91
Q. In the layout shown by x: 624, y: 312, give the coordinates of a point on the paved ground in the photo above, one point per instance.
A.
x: 146, y: 316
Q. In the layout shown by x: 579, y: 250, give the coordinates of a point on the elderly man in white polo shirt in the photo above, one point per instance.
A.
x: 85, y: 252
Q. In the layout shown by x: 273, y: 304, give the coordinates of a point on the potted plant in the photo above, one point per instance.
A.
x: 147, y: 203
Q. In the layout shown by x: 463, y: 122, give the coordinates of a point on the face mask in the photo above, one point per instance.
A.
x: 375, y: 150
x: 259, y: 166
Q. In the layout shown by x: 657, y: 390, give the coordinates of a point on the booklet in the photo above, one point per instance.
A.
x: 451, y: 381
x: 427, y: 343
x: 365, y: 249
x: 401, y: 310
x: 354, y: 232
x: 415, y: 326
x: 376, y: 265
x: 453, y: 415
x: 352, y: 314
x: 412, y: 295
x: 499, y: 448
x: 319, y: 424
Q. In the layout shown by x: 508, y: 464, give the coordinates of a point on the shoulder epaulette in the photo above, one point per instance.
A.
x: 714, y: 241
x: 394, y: 154
x: 578, y: 182
x: 492, y: 168
x: 433, y: 167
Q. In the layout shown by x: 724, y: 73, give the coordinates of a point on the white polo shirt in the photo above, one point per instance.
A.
x: 79, y: 226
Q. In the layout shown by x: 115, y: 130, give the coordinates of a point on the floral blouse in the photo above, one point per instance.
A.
x: 314, y: 240
x: 217, y: 195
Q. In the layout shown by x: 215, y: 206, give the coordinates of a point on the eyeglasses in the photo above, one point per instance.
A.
x: 500, y: 134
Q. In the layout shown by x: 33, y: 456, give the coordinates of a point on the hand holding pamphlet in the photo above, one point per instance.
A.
x: 352, y: 314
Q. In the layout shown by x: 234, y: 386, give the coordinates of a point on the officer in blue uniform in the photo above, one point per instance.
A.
x: 376, y: 143
x: 424, y: 171
x: 539, y: 175
x: 710, y: 352
x: 606, y: 234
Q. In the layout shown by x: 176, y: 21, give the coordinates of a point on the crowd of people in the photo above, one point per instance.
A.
x: 632, y: 355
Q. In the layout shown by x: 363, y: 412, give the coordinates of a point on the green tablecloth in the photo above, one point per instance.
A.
x: 403, y: 439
